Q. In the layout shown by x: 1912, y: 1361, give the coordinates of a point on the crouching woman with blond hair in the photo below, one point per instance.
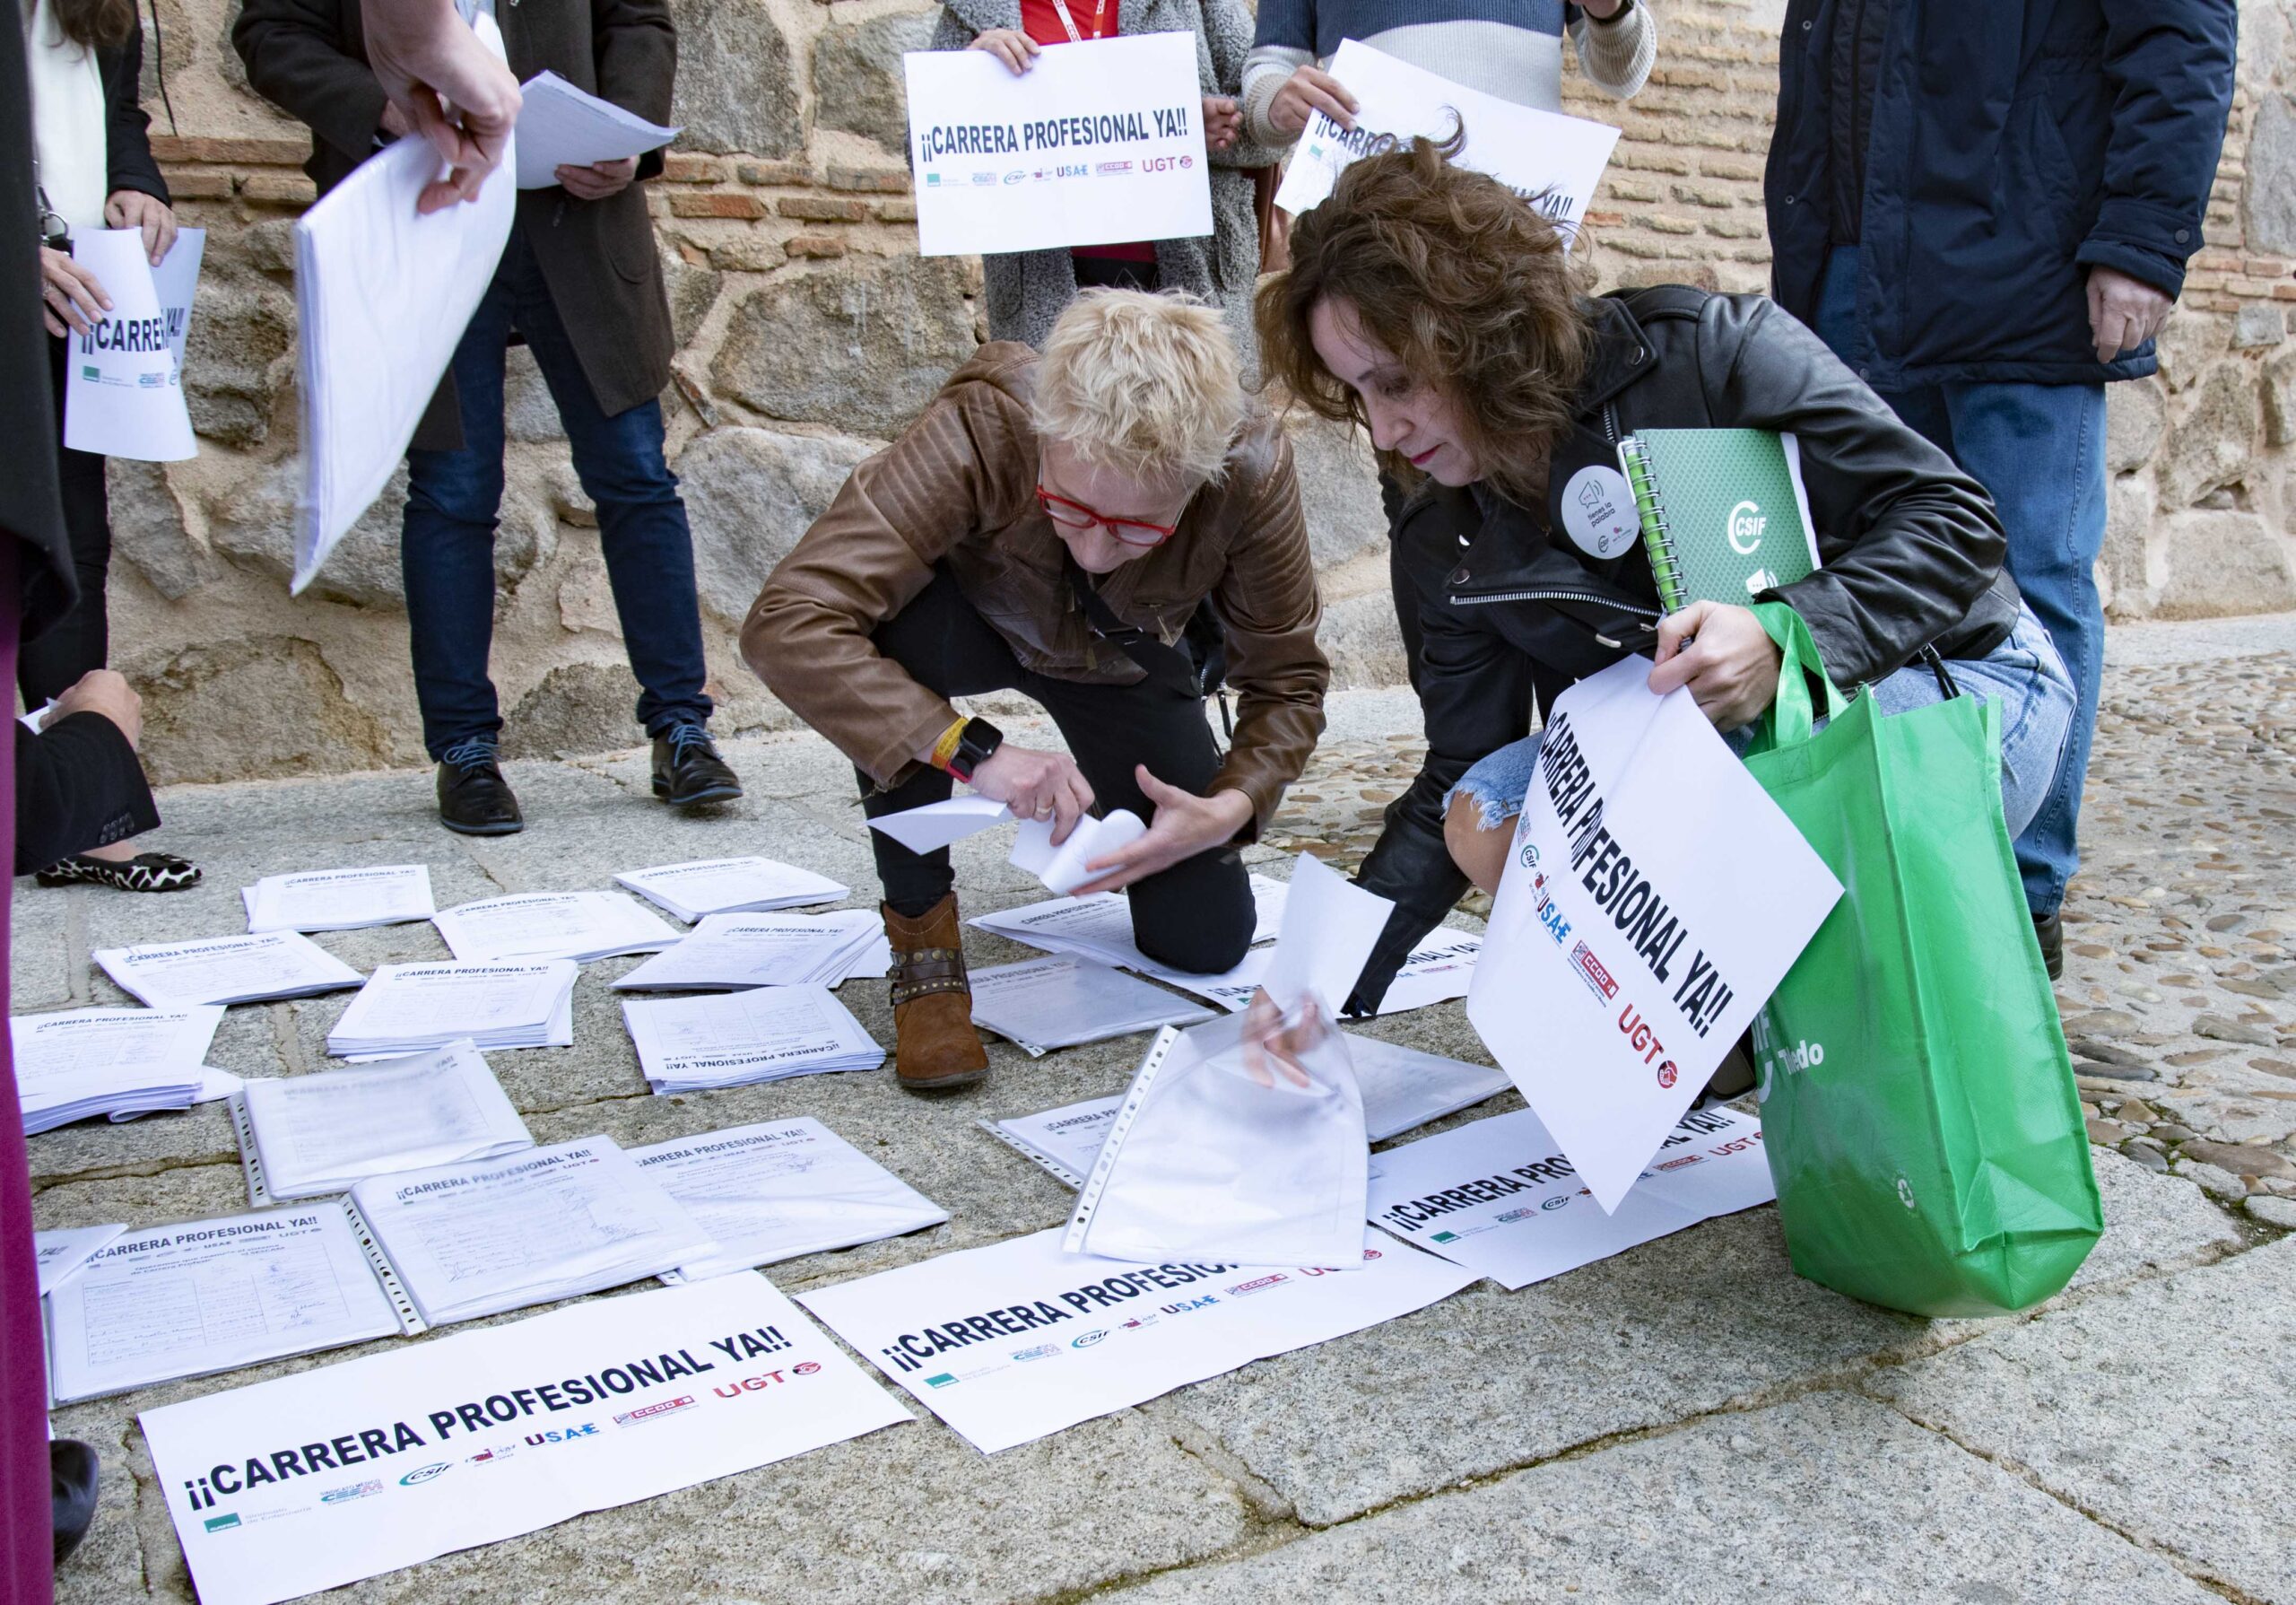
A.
x: 1050, y: 525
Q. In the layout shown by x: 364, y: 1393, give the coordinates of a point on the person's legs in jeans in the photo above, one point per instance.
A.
x: 642, y: 531
x: 447, y: 540
x: 2041, y: 450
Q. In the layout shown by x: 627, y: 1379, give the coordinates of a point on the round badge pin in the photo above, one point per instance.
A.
x: 1599, y: 512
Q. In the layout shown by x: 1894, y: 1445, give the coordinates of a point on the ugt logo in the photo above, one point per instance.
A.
x: 1746, y: 524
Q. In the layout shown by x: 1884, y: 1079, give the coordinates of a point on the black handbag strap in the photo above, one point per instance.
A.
x: 1168, y: 665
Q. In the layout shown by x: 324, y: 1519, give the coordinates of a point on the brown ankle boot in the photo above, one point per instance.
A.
x: 938, y: 1047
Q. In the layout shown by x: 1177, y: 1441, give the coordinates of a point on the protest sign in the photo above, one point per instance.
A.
x: 1098, y: 142
x: 123, y: 391
x: 1498, y: 1197
x: 348, y: 1471
x: 1553, y: 161
x: 1017, y: 1340
x: 1653, y: 897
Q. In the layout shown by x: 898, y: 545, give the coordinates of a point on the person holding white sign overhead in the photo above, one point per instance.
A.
x: 1051, y: 525
x: 1436, y: 308
x: 1028, y: 290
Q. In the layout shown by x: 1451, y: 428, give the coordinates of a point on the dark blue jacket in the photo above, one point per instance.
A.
x: 2015, y: 143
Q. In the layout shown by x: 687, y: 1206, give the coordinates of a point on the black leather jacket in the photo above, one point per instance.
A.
x: 1910, y: 547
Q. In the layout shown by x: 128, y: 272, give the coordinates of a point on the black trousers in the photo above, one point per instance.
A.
x: 1197, y: 915
x: 80, y: 640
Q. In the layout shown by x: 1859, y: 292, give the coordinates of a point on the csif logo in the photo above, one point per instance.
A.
x: 1089, y: 1339
x: 423, y: 1474
x: 1746, y: 525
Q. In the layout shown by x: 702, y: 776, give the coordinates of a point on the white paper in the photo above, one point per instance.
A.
x: 88, y: 1061
x: 702, y: 886
x: 1099, y: 143
x: 731, y: 951
x: 410, y: 1007
x: 1653, y: 897
x: 735, y: 1377
x: 1553, y: 161
x: 561, y: 126
x: 1070, y: 1339
x: 476, y: 1239
x: 211, y: 1295
x: 731, y: 1039
x: 581, y: 926
x: 382, y: 296
x: 176, y: 282
x: 340, y: 899
x: 1061, y: 868
x: 319, y: 1134
x: 1064, y: 999
x: 936, y: 825
x: 1498, y: 1197
x: 63, y: 1255
x: 277, y: 964
x: 123, y: 391
x: 1330, y: 926
x: 1099, y: 926
x: 779, y: 1189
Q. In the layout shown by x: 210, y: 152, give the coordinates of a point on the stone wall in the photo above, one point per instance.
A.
x: 809, y: 328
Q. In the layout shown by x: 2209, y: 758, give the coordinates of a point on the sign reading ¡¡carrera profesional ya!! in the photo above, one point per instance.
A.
x: 1099, y: 143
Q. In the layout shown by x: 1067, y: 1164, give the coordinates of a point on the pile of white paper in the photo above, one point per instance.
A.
x: 561, y: 125
x: 304, y: 1137
x: 781, y: 1189
x: 471, y: 1240
x: 581, y: 926
x: 1101, y: 926
x: 209, y: 1296
x: 730, y: 887
x: 731, y: 951
x: 1065, y: 998
x: 340, y: 899
x: 1402, y: 1089
x: 406, y: 1008
x: 65, y: 1254
x: 114, y: 1061
x: 732, y: 1039
x: 278, y: 963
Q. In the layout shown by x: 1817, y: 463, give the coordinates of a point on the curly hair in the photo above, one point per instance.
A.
x: 95, y: 24
x: 1147, y: 385
x: 1457, y: 276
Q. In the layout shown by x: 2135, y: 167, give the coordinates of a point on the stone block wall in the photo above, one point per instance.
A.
x: 809, y: 330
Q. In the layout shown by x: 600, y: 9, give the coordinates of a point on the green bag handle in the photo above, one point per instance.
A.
x: 1792, y: 718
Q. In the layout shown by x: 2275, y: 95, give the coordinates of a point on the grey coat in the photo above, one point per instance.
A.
x: 1027, y: 290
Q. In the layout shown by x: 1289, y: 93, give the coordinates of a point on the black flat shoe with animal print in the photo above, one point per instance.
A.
x: 145, y: 872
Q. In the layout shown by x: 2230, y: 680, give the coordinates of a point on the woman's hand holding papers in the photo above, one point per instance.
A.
x: 1010, y: 46
x: 1035, y: 785
x: 428, y: 61
x: 1726, y: 657
x: 132, y: 209
x: 1310, y: 90
x: 70, y: 296
x: 1272, y: 1044
x: 1185, y: 824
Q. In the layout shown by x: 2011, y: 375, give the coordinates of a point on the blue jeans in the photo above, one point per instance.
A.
x: 446, y: 544
x: 2023, y: 675
x: 2041, y: 450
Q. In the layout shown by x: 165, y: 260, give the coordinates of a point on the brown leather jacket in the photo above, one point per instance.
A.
x: 958, y: 488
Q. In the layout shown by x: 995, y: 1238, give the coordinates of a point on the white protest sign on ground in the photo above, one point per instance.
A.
x: 123, y: 391
x: 1498, y: 1197
x: 1553, y: 160
x: 1653, y: 898
x: 382, y: 296
x: 1099, y: 143
x: 347, y: 1472
x: 1014, y: 1341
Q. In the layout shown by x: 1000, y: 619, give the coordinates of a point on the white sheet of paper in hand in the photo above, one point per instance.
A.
x: 1330, y: 926
x: 1061, y: 867
x: 123, y: 393
x: 561, y: 125
x: 934, y: 825
x: 1652, y: 899
x: 382, y: 296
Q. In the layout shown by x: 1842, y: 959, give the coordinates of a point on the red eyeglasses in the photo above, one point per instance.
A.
x: 1075, y: 515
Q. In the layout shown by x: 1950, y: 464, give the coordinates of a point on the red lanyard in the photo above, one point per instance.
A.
x: 1068, y: 21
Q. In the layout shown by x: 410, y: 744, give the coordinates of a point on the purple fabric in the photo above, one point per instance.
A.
x: 27, y: 1574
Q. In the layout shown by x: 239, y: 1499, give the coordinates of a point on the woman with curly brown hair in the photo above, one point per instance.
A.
x: 1434, y: 307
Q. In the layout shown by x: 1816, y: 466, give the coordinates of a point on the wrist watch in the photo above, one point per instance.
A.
x: 975, y: 743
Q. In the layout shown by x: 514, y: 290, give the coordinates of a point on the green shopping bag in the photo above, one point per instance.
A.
x: 1917, y: 1106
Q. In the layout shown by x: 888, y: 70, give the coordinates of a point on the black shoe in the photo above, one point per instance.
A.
x: 145, y: 872
x: 688, y: 770
x: 2050, y: 929
x: 72, y: 1492
x: 473, y: 798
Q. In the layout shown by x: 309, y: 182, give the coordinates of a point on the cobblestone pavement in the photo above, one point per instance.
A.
x: 1688, y: 1419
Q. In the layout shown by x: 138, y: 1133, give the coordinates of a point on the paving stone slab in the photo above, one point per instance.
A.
x: 42, y: 964
x: 2153, y: 1223
x: 2162, y: 1409
x: 1825, y: 1500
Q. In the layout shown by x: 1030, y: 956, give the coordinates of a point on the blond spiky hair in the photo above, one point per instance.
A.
x: 1143, y: 385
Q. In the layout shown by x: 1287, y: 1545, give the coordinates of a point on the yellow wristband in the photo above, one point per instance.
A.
x: 945, y: 748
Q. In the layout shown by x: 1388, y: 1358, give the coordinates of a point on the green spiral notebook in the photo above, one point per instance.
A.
x: 1724, y: 513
